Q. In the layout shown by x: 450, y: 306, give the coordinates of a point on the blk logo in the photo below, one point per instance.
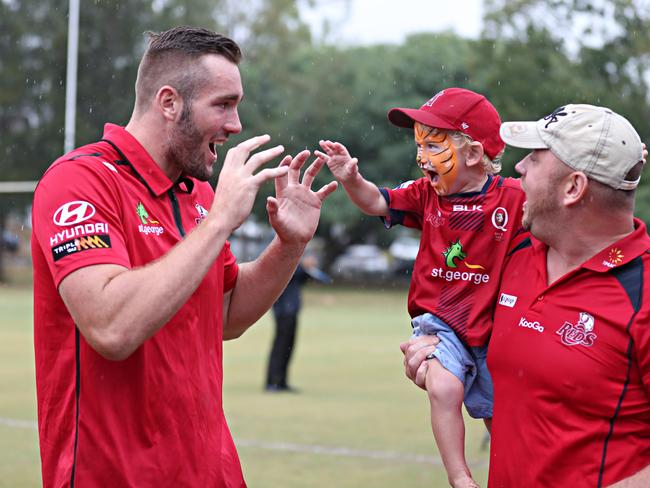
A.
x: 72, y: 213
x: 467, y: 208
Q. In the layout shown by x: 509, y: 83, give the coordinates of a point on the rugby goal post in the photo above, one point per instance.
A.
x: 17, y: 186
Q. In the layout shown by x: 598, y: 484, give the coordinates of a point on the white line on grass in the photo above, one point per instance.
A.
x: 340, y: 451
x: 299, y: 448
x: 20, y: 424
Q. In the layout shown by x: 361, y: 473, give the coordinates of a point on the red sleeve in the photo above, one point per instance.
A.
x: 230, y: 268
x: 77, y: 217
x: 406, y: 203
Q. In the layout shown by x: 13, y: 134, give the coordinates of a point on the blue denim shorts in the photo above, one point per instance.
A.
x: 468, y: 364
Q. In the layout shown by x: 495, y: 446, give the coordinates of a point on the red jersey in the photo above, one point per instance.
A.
x: 155, y: 418
x: 463, y: 244
x: 570, y: 363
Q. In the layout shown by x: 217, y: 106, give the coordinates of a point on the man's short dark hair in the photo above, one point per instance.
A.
x: 608, y: 197
x: 170, y: 59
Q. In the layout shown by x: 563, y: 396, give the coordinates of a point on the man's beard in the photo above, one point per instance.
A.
x: 185, y: 149
x: 544, y: 208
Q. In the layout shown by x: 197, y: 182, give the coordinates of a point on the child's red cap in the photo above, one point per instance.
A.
x: 457, y: 109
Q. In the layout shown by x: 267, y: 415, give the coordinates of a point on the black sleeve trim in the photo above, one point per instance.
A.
x: 84, y: 155
x: 522, y: 245
x: 630, y: 276
x: 394, y: 216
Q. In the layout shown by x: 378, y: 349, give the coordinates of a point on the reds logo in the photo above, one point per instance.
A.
x: 580, y: 334
x: 436, y: 220
x: 203, y: 213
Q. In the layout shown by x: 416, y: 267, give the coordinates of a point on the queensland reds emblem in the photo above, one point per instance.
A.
x: 500, y: 218
x: 581, y: 334
x: 203, y: 213
x: 72, y: 213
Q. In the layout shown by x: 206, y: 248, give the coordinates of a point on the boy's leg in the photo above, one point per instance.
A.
x: 485, y: 442
x: 488, y: 425
x: 446, y: 394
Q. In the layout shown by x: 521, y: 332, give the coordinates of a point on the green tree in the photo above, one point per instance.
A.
x: 548, y: 53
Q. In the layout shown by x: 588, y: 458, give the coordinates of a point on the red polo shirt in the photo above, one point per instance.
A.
x: 571, y: 369
x: 464, y: 241
x: 156, y: 418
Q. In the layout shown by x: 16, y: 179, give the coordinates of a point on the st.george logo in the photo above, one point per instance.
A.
x: 72, y: 213
x: 455, y: 252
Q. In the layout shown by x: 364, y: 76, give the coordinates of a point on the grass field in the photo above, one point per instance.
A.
x: 357, y: 421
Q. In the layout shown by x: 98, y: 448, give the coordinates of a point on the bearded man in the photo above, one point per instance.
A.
x: 135, y: 287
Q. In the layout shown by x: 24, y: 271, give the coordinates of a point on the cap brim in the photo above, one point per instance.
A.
x: 522, y: 134
x: 405, y: 117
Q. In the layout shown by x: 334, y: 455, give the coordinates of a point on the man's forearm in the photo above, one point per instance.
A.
x: 118, y: 309
x: 259, y: 284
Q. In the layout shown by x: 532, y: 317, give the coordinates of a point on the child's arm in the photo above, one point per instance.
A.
x: 362, y: 192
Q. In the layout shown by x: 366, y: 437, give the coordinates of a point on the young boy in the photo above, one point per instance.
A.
x: 467, y: 216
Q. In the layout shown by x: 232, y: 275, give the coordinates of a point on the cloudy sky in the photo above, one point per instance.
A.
x: 375, y: 21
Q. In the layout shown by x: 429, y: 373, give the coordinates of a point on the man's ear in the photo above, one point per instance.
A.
x: 169, y: 102
x: 574, y: 188
x: 474, y: 154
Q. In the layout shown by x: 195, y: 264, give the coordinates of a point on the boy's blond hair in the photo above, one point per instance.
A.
x: 461, y: 140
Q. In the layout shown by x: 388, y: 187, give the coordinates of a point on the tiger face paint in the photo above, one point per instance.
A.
x: 437, y: 157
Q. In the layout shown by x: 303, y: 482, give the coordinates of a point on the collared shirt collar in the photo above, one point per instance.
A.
x: 139, y: 159
x: 614, y: 255
x: 622, y: 251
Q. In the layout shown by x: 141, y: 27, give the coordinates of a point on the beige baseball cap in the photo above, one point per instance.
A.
x: 594, y: 140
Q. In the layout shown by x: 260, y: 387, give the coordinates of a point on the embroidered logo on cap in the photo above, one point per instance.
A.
x: 552, y: 117
x: 432, y: 100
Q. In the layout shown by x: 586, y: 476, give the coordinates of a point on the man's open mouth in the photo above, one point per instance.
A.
x: 212, y: 145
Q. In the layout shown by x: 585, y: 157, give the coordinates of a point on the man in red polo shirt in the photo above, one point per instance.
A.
x: 570, y: 349
x: 135, y: 287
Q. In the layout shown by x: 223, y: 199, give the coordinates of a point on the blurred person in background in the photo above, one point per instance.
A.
x: 285, y: 314
x: 570, y: 347
x: 135, y: 287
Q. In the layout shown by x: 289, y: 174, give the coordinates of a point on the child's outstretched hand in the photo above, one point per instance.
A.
x: 341, y: 164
